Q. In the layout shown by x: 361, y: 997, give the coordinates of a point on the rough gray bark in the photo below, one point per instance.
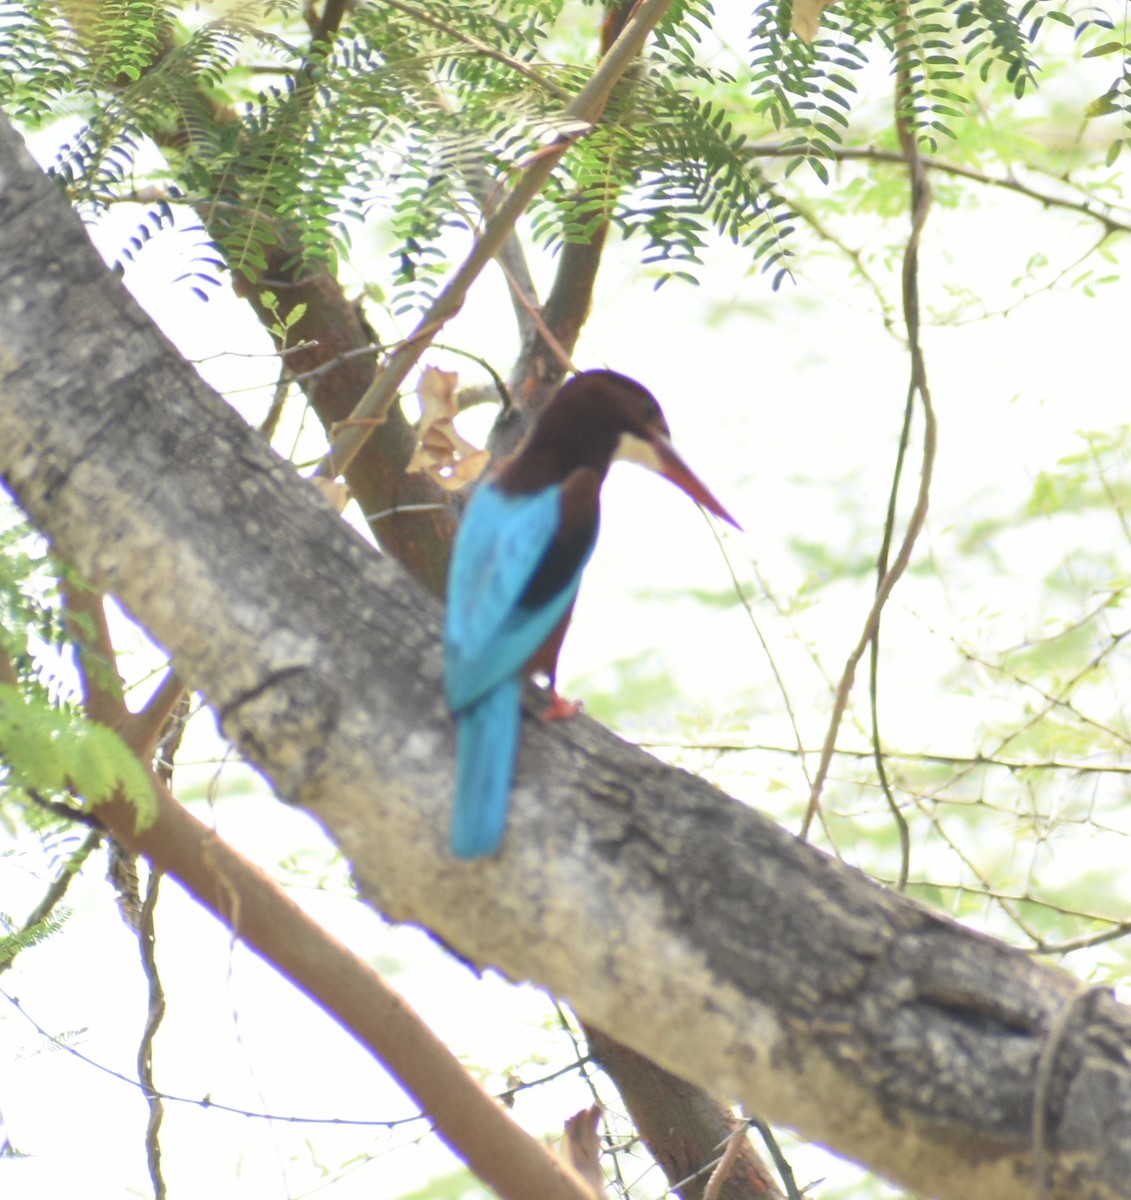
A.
x: 680, y: 922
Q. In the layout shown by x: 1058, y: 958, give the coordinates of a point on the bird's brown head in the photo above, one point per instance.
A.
x: 595, y: 418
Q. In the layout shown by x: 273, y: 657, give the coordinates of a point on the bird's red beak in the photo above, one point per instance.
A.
x: 657, y: 453
x: 671, y: 466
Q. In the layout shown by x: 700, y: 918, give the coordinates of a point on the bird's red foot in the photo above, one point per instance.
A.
x: 560, y: 709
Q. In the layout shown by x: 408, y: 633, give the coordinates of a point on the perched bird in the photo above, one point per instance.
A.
x: 523, y: 542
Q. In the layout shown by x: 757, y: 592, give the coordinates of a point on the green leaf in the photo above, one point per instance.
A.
x: 52, y: 750
x: 1104, y: 49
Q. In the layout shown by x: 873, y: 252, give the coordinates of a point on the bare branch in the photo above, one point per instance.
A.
x: 144, y: 729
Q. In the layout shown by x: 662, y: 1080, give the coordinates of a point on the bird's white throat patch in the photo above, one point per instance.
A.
x: 631, y: 448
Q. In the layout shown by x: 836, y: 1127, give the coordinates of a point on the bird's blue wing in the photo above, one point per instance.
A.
x: 488, y: 635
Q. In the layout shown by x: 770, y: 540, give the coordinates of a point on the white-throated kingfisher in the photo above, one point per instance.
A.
x: 516, y: 565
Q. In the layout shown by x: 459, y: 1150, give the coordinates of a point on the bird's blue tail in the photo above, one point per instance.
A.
x: 487, y: 744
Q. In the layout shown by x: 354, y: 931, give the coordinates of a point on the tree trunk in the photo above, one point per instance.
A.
x: 672, y: 918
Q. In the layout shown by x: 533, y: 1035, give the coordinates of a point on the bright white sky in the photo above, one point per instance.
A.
x: 789, y: 406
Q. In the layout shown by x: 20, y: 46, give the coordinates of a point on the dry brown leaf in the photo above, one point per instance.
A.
x: 441, y: 452
x: 806, y: 20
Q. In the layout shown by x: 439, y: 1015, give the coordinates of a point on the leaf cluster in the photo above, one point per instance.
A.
x: 415, y: 117
x: 51, y: 751
x: 938, y: 51
x: 16, y: 940
x: 47, y: 748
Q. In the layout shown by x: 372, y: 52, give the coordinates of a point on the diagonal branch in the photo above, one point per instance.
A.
x: 58, y: 888
x: 146, y: 727
x: 102, y: 687
x: 584, y: 109
x: 271, y: 923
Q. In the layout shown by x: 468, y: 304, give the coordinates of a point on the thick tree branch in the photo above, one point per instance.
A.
x: 681, y: 923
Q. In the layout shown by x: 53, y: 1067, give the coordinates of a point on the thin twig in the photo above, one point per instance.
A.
x: 207, y: 1102
x: 855, y: 257
x: 785, y: 1171
x: 1121, y: 930
x: 744, y: 600
x: 147, y: 945
x: 917, y: 386
x: 718, y: 1176
x: 58, y: 888
x: 585, y: 1062
x: 965, y: 761
x: 482, y: 49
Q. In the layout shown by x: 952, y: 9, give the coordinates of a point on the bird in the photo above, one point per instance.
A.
x: 520, y: 549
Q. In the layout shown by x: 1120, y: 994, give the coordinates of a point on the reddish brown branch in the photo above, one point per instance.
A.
x: 145, y: 728
x: 102, y: 688
x: 267, y: 920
